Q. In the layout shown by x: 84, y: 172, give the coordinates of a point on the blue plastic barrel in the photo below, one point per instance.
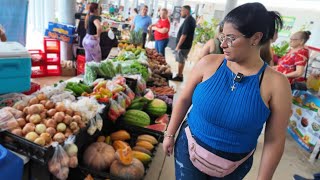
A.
x: 11, y: 166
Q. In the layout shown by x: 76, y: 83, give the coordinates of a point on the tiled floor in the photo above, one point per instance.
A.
x: 294, y: 159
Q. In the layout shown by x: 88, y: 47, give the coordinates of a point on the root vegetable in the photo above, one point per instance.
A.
x: 43, y: 115
x: 51, y: 112
x: 69, y: 112
x: 58, y: 117
x: 19, y: 107
x: 67, y: 134
x: 34, y: 100
x: 54, y: 168
x: 49, y: 105
x: 40, y: 141
x: 41, y: 97
x: 64, y: 160
x: 82, y: 125
x: 43, y: 102
x: 77, y: 118
x: 17, y: 132
x: 51, y: 123
x: 46, y: 137
x: 40, y: 128
x: 59, y: 137
x: 60, y: 107
x: 61, y: 127
x: 52, y: 131
x: 29, y: 127
x: 21, y: 122
x: 26, y: 110
x: 67, y: 119
x: 71, y: 149
x: 76, y: 131
x: 34, y: 109
x: 12, y: 124
x: 31, y: 136
x: 73, y: 162
x: 73, y: 125
x: 35, y: 118
x: 77, y: 113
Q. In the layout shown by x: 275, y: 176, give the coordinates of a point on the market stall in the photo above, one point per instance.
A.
x: 107, y: 123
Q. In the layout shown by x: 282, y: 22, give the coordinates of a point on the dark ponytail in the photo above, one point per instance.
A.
x: 250, y: 18
x: 276, y: 23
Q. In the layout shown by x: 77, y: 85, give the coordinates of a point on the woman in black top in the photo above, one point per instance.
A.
x: 91, y: 41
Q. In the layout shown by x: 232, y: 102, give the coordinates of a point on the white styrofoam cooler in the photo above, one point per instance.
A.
x: 15, y: 68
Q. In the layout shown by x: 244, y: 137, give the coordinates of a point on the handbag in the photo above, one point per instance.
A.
x: 209, y: 163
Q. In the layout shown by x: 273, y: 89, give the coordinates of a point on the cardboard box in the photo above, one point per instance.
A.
x: 68, y: 71
x: 60, y: 37
x: 64, y: 29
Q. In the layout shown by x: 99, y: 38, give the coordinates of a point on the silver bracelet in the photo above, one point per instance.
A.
x: 168, y: 135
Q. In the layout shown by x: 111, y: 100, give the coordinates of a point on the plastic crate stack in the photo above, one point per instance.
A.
x: 50, y: 64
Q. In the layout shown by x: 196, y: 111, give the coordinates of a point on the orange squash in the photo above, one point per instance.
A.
x: 120, y: 135
x: 119, y: 145
x: 125, y: 155
x: 99, y: 156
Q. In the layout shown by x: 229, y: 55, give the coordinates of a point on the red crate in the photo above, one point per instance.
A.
x: 81, y: 62
x: 52, y: 58
x: 37, y: 57
x: 51, y: 45
x: 54, y: 70
x: 39, y: 71
x: 34, y: 87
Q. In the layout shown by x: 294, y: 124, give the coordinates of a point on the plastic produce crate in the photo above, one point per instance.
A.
x: 54, y: 70
x: 39, y: 71
x: 52, y: 58
x: 25, y: 147
x: 51, y: 45
x: 82, y: 171
x: 81, y: 62
x: 34, y: 87
x: 37, y: 57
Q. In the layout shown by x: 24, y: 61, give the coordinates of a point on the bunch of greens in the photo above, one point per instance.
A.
x: 205, y: 31
x: 281, y: 49
x: 136, y: 68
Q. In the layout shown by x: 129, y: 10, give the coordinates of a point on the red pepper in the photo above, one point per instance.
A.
x: 104, y: 100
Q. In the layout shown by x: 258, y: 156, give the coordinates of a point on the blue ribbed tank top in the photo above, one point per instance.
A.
x: 229, y: 121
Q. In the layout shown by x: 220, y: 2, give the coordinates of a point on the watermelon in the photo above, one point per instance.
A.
x: 137, y: 118
x: 149, y: 95
x: 164, y: 119
x: 156, y: 107
x: 157, y: 127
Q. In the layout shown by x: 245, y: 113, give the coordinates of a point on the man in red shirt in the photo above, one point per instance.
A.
x: 161, y: 32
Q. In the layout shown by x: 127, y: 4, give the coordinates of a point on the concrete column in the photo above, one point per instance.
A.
x: 150, y: 6
x: 126, y: 9
x: 49, y: 13
x: 66, y: 13
x: 231, y: 4
x: 196, y: 10
x: 135, y: 3
x: 155, y: 7
x: 178, y: 2
x: 165, y: 3
x: 119, y: 3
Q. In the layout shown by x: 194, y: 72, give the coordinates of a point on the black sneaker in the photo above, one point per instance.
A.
x: 297, y: 177
x: 177, y: 78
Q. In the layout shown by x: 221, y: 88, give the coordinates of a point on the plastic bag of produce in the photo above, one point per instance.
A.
x: 72, y: 151
x: 7, y: 120
x: 96, y: 123
x: 90, y: 74
x: 120, y: 80
x: 66, y: 95
x: 59, y: 163
x: 107, y: 68
x: 141, y: 85
x: 124, y: 100
x: 129, y: 92
x: 11, y: 99
x: 115, y: 110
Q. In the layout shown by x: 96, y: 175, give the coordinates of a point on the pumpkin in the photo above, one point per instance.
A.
x: 99, y: 156
x: 134, y: 171
x: 125, y: 155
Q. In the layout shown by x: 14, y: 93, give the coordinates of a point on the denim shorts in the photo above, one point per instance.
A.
x: 185, y: 170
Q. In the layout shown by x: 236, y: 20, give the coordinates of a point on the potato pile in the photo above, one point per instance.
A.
x: 43, y: 121
x: 154, y: 56
x: 157, y: 80
x: 159, y: 69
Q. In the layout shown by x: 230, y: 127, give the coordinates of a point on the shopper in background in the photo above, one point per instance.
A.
x: 213, y: 45
x: 184, y: 40
x: 266, y: 51
x: 161, y: 32
x: 3, y: 36
x: 111, y: 10
x: 232, y: 96
x: 91, y: 41
x: 142, y: 22
x: 292, y: 65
